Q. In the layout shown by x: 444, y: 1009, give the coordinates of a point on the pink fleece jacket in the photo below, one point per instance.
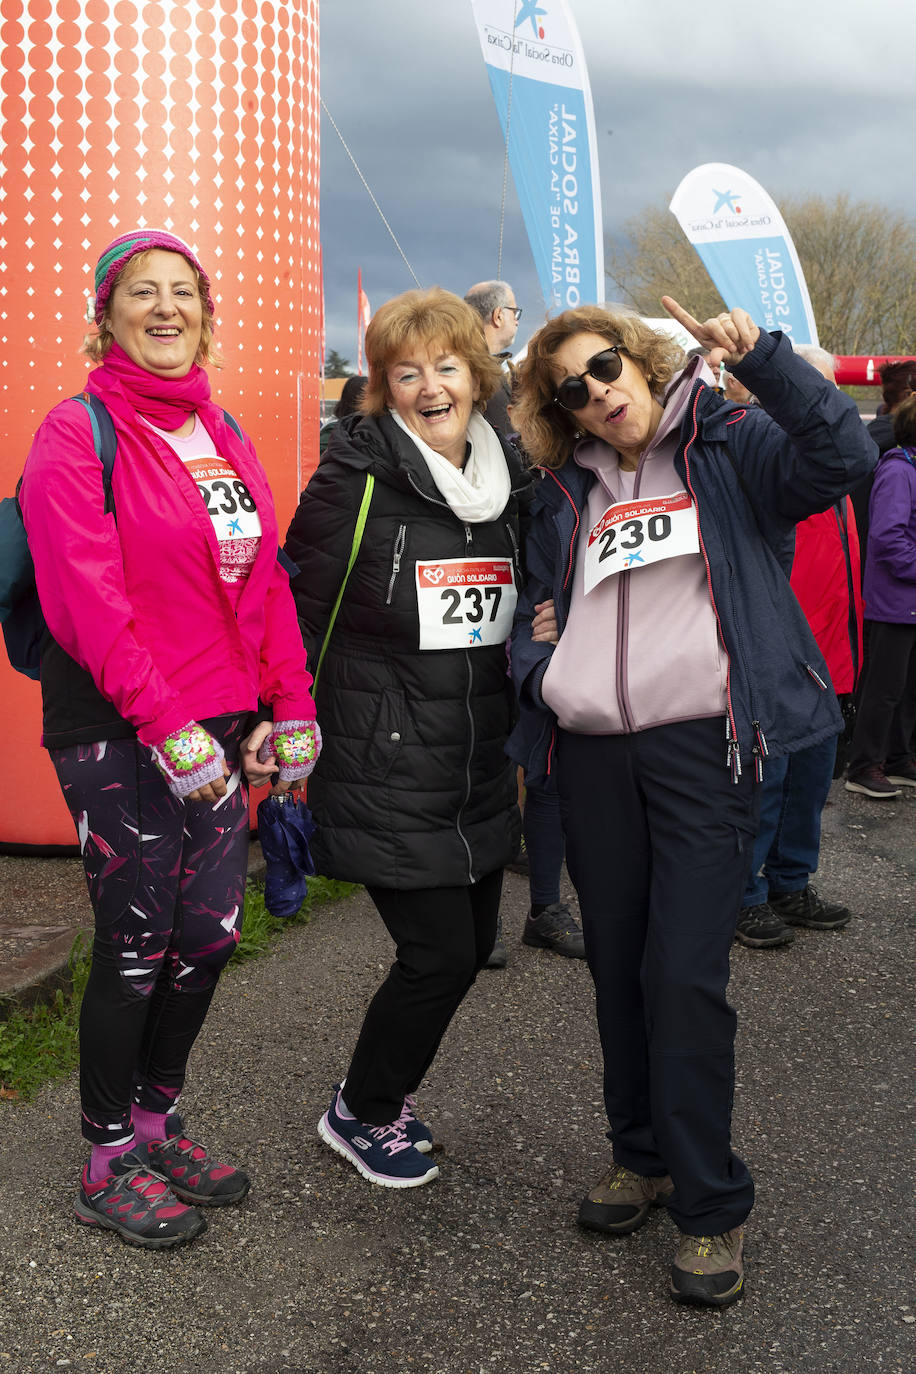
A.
x: 642, y: 648
x: 137, y: 598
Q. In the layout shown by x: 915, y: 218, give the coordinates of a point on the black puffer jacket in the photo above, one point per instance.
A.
x: 413, y: 788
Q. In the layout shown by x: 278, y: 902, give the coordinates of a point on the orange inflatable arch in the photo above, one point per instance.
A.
x: 201, y: 118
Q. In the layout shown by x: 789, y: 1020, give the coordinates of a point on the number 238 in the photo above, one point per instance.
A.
x: 229, y: 504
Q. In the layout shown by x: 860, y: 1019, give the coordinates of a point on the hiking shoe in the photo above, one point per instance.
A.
x: 520, y: 863
x: 759, y: 927
x: 416, y: 1131
x: 555, y: 929
x: 498, y: 956
x: 138, y: 1205
x: 806, y: 908
x: 902, y: 774
x: 620, y: 1203
x: 709, y: 1269
x: 872, y: 782
x: 382, y: 1154
x: 189, y: 1171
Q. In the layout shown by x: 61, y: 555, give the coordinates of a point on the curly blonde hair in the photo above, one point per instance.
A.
x: 429, y: 319
x: 548, y: 432
x: 95, y: 346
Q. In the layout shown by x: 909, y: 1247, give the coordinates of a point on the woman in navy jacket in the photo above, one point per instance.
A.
x: 660, y: 656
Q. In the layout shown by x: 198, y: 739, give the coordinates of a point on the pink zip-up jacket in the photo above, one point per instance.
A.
x: 136, y: 597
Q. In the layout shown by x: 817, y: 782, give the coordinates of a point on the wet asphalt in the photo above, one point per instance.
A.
x: 485, y: 1269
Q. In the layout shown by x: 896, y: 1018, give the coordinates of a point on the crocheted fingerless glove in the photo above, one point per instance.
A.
x: 297, y: 744
x: 189, y: 759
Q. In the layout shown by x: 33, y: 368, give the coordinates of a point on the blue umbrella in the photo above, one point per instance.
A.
x: 284, y: 827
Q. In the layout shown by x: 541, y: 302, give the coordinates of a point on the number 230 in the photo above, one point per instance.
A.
x: 658, y: 527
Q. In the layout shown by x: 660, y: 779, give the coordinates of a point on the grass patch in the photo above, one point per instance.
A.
x: 260, y: 930
x: 40, y: 1044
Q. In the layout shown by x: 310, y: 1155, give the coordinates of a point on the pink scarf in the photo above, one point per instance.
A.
x: 165, y: 401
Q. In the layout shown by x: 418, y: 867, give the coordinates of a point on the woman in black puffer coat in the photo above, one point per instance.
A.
x: 415, y: 796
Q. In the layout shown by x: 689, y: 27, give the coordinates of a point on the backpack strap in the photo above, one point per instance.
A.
x: 233, y: 423
x: 358, y: 533
x: 104, y: 439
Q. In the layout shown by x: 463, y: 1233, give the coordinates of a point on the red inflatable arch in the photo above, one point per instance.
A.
x: 201, y: 118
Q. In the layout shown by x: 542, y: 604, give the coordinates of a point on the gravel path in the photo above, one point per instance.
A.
x: 485, y: 1269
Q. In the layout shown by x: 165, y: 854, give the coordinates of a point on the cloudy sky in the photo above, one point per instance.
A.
x: 808, y: 96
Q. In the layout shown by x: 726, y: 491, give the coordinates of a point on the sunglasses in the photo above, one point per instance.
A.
x: 606, y: 366
x: 516, y: 311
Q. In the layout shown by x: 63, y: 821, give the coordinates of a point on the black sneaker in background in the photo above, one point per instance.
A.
x: 806, y: 908
x: 903, y: 773
x: 520, y: 863
x: 498, y: 956
x: 759, y: 927
x: 555, y: 928
x: 872, y: 782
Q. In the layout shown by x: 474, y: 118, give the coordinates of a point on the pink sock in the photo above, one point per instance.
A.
x: 101, y: 1157
x: 148, y: 1125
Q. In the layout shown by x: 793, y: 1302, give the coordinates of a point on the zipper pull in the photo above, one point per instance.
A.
x: 467, y: 538
x: 817, y: 677
x: 761, y: 738
x: 758, y: 764
x: 734, y: 759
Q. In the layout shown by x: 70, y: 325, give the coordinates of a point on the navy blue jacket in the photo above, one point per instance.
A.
x: 753, y: 475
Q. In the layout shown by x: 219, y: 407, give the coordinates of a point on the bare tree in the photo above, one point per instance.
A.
x: 859, y: 260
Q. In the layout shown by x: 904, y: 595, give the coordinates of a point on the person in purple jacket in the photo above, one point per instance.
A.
x: 881, y: 759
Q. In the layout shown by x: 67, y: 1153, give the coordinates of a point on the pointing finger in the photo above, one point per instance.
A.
x: 681, y: 315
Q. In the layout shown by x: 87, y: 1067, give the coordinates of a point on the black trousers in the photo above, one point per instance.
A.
x: 443, y: 936
x: 658, y: 845
x: 886, y: 715
x: 167, y: 883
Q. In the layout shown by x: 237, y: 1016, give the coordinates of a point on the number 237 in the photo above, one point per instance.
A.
x: 475, y: 610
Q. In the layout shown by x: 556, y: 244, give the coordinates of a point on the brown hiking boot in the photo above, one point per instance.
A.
x: 620, y: 1203
x: 709, y: 1269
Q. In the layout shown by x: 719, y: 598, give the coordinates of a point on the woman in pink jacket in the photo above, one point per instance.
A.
x: 169, y: 618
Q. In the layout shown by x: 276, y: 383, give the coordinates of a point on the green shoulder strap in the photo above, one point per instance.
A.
x: 357, y: 540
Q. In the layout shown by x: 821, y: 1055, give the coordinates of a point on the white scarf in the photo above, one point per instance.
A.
x: 479, y: 491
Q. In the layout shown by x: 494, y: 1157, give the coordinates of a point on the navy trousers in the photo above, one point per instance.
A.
x: 792, y: 796
x: 658, y: 845
x: 543, y: 831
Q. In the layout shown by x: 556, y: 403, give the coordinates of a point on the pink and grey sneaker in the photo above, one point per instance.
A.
x: 189, y: 1171
x: 138, y: 1206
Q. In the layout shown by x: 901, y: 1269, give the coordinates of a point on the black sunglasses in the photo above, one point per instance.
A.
x: 606, y: 366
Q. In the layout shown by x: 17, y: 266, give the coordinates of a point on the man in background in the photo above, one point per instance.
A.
x: 494, y: 302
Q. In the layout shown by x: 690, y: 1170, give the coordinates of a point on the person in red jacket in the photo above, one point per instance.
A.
x: 169, y: 619
x: 826, y: 579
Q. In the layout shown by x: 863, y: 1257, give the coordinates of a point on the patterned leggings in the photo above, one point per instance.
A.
x: 166, y: 880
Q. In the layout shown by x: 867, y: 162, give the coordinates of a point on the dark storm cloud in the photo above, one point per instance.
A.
x: 811, y: 97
